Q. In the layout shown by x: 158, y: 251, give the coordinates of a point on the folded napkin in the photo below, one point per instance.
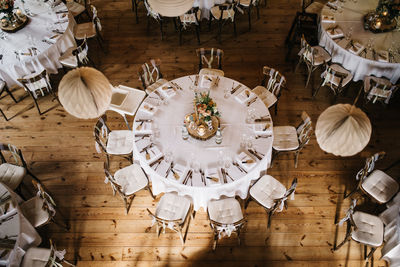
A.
x: 335, y: 32
x: 245, y: 96
x: 148, y: 108
x: 154, y: 154
x: 246, y: 161
x: 141, y: 128
x: 206, y: 81
x: 7, y: 207
x: 53, y: 38
x: 383, y: 56
x: 328, y: 19
x: 214, y: 175
x: 24, y: 54
x: 180, y: 171
x: 356, y: 48
x: 262, y: 128
x: 167, y: 90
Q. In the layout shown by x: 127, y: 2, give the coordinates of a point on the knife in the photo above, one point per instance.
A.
x: 251, y: 101
x: 157, y: 161
x: 236, y: 88
x: 255, y: 154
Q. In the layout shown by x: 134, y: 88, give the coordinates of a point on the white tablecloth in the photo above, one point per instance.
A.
x: 167, y: 124
x: 352, y: 16
x: 206, y: 5
x: 43, y: 24
x: 18, y: 227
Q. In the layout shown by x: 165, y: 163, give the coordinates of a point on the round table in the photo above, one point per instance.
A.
x: 15, y: 226
x: 206, y: 5
x: 161, y: 123
x: 37, y: 46
x: 350, y: 17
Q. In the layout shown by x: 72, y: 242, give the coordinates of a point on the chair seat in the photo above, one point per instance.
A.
x: 36, y: 257
x: 266, y: 96
x: 83, y: 30
x: 68, y: 59
x: 120, y: 142
x: 190, y: 18
x: 266, y: 190
x: 154, y: 86
x: 34, y: 212
x: 75, y: 8
x: 126, y: 100
x: 321, y: 56
x: 226, y: 14
x: 208, y: 71
x: 315, y: 7
x: 368, y: 79
x: 11, y: 175
x: 285, y: 138
x: 335, y: 80
x: 226, y: 211
x: 172, y: 207
x: 380, y: 186
x: 369, y: 229
x: 131, y: 179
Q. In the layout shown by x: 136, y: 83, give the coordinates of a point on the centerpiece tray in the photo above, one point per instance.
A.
x: 202, y: 132
x: 10, y: 27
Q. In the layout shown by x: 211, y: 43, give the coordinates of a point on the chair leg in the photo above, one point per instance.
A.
x: 161, y: 29
x: 269, y: 219
x: 308, y: 77
x: 215, y: 240
x: 219, y: 31
x: 238, y: 236
x: 258, y: 12
x: 249, y: 17
x: 128, y: 203
x: 298, y: 65
x: 9, y: 92
x: 234, y: 27
x: 33, y: 176
x: 316, y: 90
x: 347, y: 238
x: 126, y: 122
x: 296, y: 158
x: 276, y: 108
x: 4, y: 115
x: 246, y: 203
x: 151, y: 192
x: 180, y: 34
x: 37, y: 106
x: 179, y: 231
x: 198, y: 33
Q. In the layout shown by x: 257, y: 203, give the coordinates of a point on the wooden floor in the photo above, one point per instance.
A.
x: 60, y: 150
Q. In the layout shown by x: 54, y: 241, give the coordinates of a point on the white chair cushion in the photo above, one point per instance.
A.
x: 131, y: 101
x: 335, y: 80
x: 285, y: 138
x: 227, y: 14
x: 246, y: 3
x: 173, y: 207
x: 321, y: 56
x: 369, y: 229
x: 68, y: 59
x: 190, y: 18
x: 207, y: 71
x: 367, y: 82
x: 120, y: 142
x: 380, y: 186
x: 36, y: 257
x: 315, y: 8
x: 154, y: 86
x: 266, y: 96
x: 11, y: 175
x: 84, y: 30
x: 226, y: 211
x: 266, y: 190
x: 34, y: 212
x: 131, y: 179
x: 75, y: 8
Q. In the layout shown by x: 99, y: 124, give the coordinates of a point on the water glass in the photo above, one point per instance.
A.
x: 227, y: 93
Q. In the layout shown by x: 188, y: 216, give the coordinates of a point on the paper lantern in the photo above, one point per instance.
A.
x: 343, y: 130
x: 171, y: 8
x: 85, y: 93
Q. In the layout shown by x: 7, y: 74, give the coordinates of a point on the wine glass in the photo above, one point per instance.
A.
x: 243, y: 140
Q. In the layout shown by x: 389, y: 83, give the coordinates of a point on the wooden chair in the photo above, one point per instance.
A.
x: 135, y: 5
x: 78, y: 7
x: 208, y: 56
x: 76, y: 57
x: 192, y: 17
x: 89, y: 30
x: 4, y: 88
x: 270, y: 89
x: 172, y: 212
x: 270, y: 194
x: 376, y: 184
x: 41, y: 209
x: 291, y: 139
x: 38, y: 85
x: 156, y: 16
x: 113, y: 143
x: 312, y: 56
x: 363, y: 228
x: 13, y: 172
x: 226, y: 217
x: 223, y: 13
x: 47, y: 257
x: 247, y: 5
x: 127, y: 182
x: 335, y: 77
x: 150, y: 75
x: 312, y: 6
x: 378, y: 90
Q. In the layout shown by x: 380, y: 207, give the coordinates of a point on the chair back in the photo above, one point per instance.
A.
x: 37, y: 85
x: 208, y: 55
x: 189, y: 17
x: 8, y: 152
x: 81, y: 53
x: 273, y: 80
x: 304, y: 130
x: 151, y: 12
x: 307, y: 52
x: 110, y: 178
x: 380, y: 91
x: 369, y: 166
x: 48, y: 202
x: 349, y: 216
x: 95, y: 19
x: 332, y: 78
x: 229, y: 9
x: 101, y: 132
x: 224, y: 229
x: 150, y: 73
x: 279, y: 203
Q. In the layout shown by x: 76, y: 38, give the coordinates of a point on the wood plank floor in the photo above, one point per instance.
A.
x: 60, y: 150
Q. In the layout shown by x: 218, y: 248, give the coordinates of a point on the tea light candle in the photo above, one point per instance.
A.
x: 378, y: 24
x: 384, y: 13
x: 18, y: 12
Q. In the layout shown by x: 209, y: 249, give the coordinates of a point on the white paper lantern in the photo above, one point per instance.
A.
x: 85, y: 93
x: 343, y: 130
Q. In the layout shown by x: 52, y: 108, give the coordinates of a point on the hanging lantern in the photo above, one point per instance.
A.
x: 343, y: 130
x: 85, y: 93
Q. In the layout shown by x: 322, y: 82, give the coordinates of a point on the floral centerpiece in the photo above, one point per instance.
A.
x: 6, y: 6
x: 205, y: 107
x: 11, y: 22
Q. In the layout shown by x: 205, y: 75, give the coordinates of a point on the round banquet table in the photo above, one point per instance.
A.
x: 206, y: 5
x: 360, y: 66
x: 14, y: 226
x: 161, y: 125
x: 37, y: 46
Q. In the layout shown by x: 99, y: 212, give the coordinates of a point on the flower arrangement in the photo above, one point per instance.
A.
x: 205, y: 107
x: 6, y: 6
